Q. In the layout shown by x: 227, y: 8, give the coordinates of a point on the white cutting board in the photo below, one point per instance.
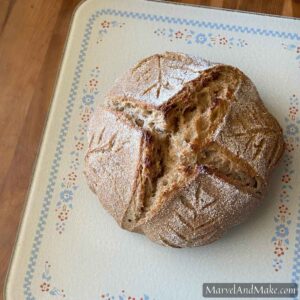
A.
x: 68, y: 247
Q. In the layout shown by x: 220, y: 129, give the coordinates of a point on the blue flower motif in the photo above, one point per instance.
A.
x: 292, y: 129
x: 88, y: 99
x: 66, y: 195
x: 277, y: 263
x: 282, y: 231
x: 201, y: 38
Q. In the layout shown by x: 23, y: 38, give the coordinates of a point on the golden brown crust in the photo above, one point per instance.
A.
x: 251, y: 132
x: 195, y: 148
x: 115, y: 149
x: 156, y: 79
x: 200, y: 212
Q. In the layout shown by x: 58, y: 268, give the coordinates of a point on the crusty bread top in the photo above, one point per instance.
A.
x: 179, y: 123
x: 156, y: 79
x: 199, y: 212
x: 115, y: 149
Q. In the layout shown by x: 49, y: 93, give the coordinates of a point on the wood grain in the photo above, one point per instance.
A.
x: 32, y: 35
x: 31, y: 45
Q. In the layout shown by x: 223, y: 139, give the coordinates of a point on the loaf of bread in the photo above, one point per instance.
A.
x: 182, y: 149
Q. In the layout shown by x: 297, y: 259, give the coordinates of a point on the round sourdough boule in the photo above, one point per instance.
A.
x: 182, y: 149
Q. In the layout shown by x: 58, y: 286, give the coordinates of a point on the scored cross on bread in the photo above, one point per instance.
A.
x: 183, y: 149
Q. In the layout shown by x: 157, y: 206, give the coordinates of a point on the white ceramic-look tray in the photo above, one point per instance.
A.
x: 69, y: 247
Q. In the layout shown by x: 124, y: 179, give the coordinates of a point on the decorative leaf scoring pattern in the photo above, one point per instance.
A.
x: 158, y: 84
x: 253, y: 134
x: 112, y: 145
x: 159, y: 77
x: 185, y: 214
x: 105, y: 146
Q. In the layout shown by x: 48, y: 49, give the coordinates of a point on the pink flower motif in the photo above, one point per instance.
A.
x: 283, y: 209
x: 178, y: 35
x: 293, y: 112
x: 45, y: 287
x: 223, y: 40
x: 105, y: 24
x: 70, y: 179
x: 63, y: 215
x: 93, y: 82
x: 79, y: 145
x: 279, y: 251
x: 85, y: 116
x: 72, y: 176
x: 289, y: 147
x: 286, y: 178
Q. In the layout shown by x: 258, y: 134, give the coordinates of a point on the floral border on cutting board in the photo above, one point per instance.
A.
x: 67, y: 194
x: 189, y: 37
x: 69, y: 185
x: 46, y: 283
x: 282, y: 219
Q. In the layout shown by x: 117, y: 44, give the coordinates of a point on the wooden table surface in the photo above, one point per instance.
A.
x: 32, y: 36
